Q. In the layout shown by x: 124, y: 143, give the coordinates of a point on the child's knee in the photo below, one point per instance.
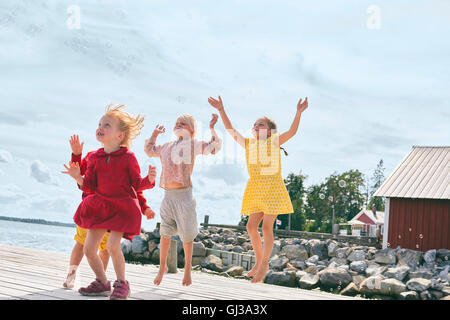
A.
x: 89, y: 251
x: 113, y: 249
x: 267, y: 228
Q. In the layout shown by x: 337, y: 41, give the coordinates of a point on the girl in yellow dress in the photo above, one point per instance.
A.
x: 265, y: 195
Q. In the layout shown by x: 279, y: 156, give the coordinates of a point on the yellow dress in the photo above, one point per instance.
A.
x: 265, y: 190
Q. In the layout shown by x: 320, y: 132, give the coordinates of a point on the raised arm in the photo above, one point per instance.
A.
x: 215, y: 144
x: 226, y: 122
x: 151, y: 149
x: 301, y: 106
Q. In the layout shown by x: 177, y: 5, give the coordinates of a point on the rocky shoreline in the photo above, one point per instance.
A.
x: 326, y: 265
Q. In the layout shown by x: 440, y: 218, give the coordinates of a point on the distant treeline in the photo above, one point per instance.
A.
x: 39, y: 221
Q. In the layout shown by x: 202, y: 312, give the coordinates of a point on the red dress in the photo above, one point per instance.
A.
x: 83, y: 166
x: 112, y: 182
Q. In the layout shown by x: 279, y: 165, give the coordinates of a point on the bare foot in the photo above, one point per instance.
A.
x: 187, y: 280
x: 261, y: 273
x: 160, y: 275
x: 70, y: 280
x: 252, y: 272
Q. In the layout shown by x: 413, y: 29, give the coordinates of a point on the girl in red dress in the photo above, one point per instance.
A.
x: 80, y: 236
x: 112, y: 180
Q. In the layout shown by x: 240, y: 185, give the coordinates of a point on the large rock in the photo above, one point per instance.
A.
x: 392, y: 287
x: 421, y: 273
x: 298, y: 263
x: 152, y: 245
x: 278, y: 262
x: 410, y: 258
x: 238, y: 249
x: 374, y: 269
x: 213, y: 263
x: 313, y: 260
x: 443, y: 254
x: 318, y: 248
x: 430, y: 256
x: 358, y: 280
x: 371, y: 285
x: 199, y: 250
x: 358, y: 266
x: 418, y: 284
x: 409, y: 295
x: 241, y: 240
x: 334, y: 277
x: 155, y: 256
x: 293, y: 251
x: 309, y: 281
x: 350, y: 290
x: 342, y: 253
x: 338, y: 261
x: 398, y: 273
x: 125, y: 245
x: 286, y: 279
x: 357, y: 255
x: 385, y: 256
x: 235, y: 271
x: 332, y: 247
x: 276, y: 248
x: 139, y: 244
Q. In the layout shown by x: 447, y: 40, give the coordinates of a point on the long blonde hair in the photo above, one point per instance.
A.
x: 128, y: 124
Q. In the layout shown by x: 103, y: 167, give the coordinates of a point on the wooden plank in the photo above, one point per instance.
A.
x: 36, y: 274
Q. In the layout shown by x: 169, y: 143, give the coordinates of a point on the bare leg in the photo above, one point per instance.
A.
x: 163, y: 251
x: 267, y: 229
x: 117, y: 257
x: 75, y: 260
x: 93, y: 238
x: 104, y: 256
x: 252, y: 228
x: 188, y: 247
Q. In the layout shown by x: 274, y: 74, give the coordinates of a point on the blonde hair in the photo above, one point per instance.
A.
x: 191, y: 122
x: 128, y: 124
x: 273, y: 126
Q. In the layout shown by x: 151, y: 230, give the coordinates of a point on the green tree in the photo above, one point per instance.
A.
x: 377, y: 181
x: 341, y: 192
x: 295, y: 187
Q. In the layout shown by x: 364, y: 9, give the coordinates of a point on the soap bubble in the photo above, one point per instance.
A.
x: 342, y: 184
x: 399, y: 236
x: 417, y: 246
x: 330, y: 198
x: 409, y: 229
x: 321, y: 196
x: 421, y: 236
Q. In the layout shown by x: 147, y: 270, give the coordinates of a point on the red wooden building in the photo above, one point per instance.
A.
x: 417, y: 211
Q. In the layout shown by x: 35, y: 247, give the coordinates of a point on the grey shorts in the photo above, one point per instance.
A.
x: 178, y: 215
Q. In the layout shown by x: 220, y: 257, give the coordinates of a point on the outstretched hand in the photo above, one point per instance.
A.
x: 213, y: 120
x: 216, y: 103
x: 302, y: 106
x: 73, y: 170
x: 75, y: 145
x: 159, y: 129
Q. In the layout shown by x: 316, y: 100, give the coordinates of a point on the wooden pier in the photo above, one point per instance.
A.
x: 31, y: 274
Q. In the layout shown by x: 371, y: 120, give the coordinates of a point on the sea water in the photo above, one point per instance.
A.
x: 38, y: 236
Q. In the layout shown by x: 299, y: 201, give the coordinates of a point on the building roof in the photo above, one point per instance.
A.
x: 423, y: 174
x: 378, y: 219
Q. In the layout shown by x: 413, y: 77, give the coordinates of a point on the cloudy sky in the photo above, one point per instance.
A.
x: 376, y: 74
